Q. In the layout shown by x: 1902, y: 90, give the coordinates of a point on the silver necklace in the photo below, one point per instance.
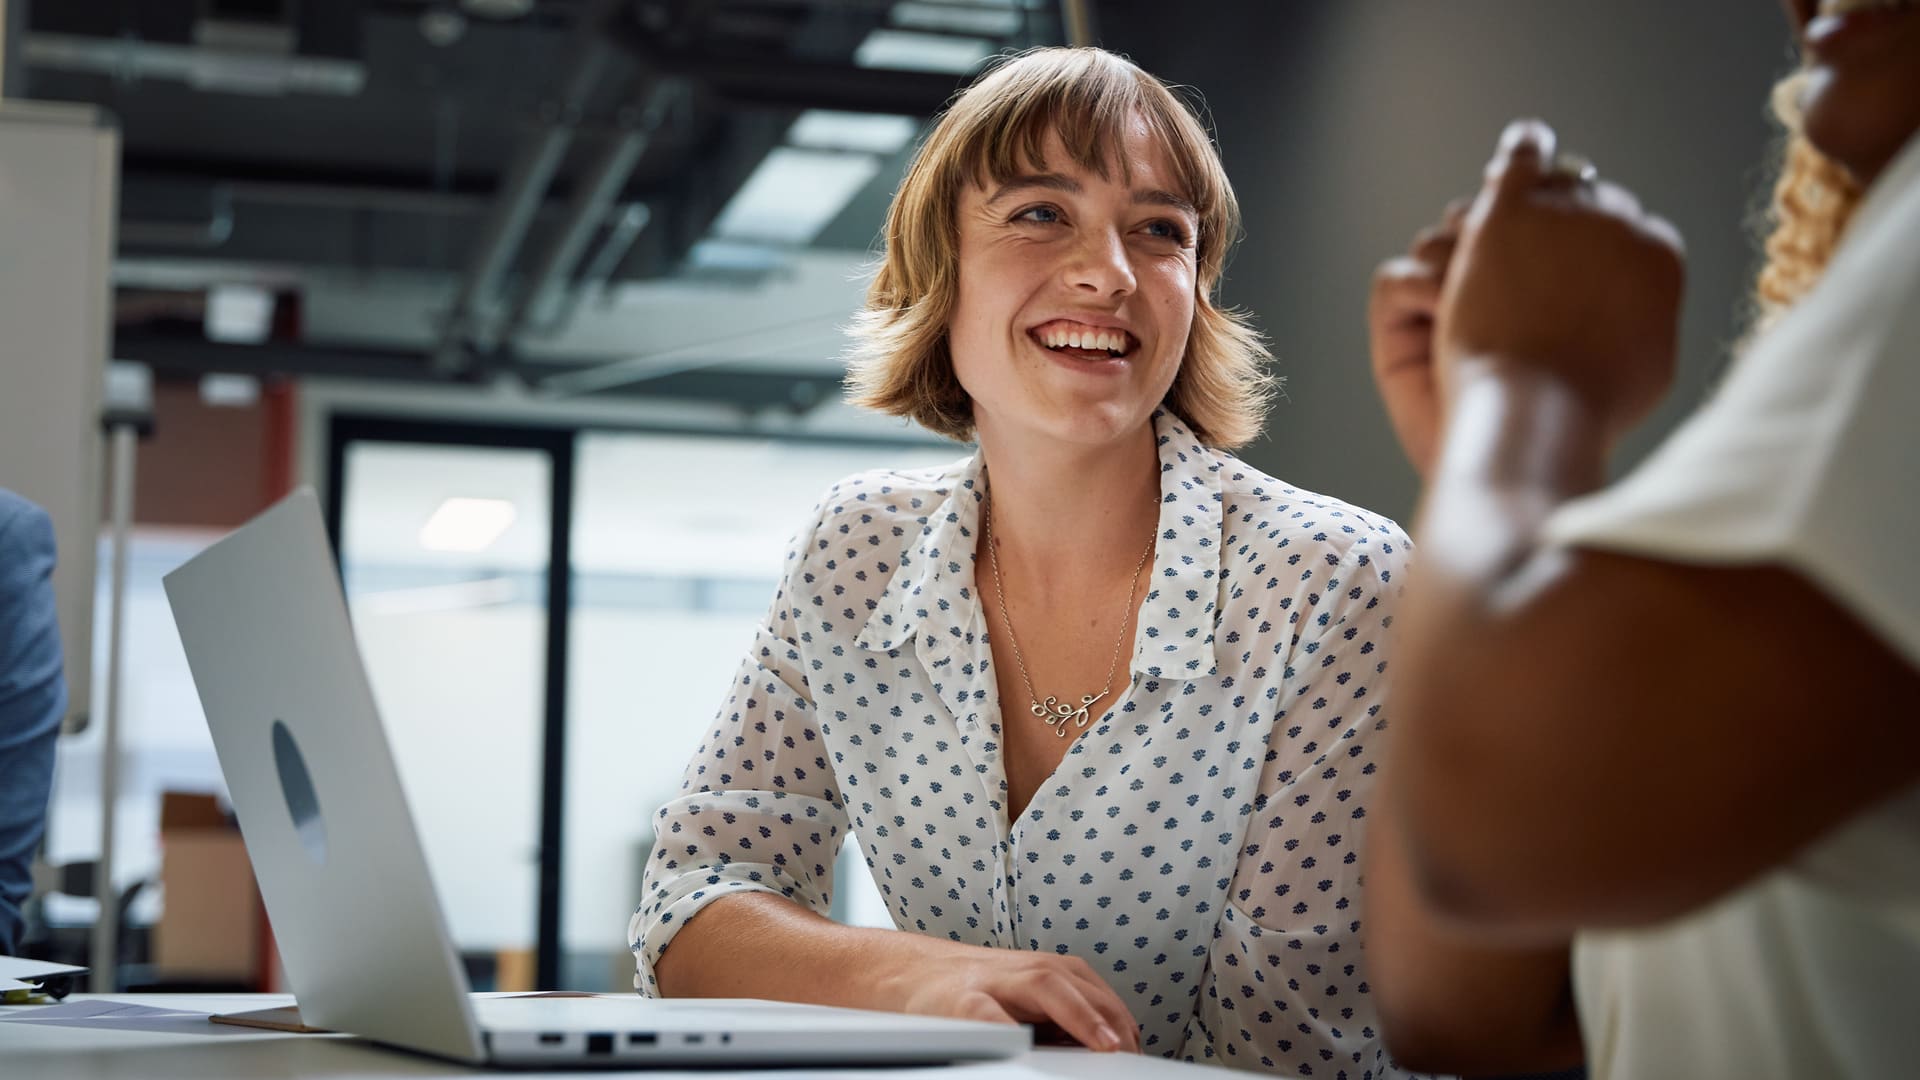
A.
x: 1055, y: 713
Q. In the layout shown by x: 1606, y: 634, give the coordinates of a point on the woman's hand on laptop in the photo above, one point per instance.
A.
x: 1006, y: 986
x: 754, y: 944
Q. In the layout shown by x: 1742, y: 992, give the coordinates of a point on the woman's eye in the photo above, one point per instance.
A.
x: 1167, y: 230
x: 1042, y: 215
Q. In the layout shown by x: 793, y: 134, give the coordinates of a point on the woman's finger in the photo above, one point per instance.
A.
x: 1522, y: 159
x: 1103, y: 998
x: 1061, y: 998
x: 1664, y: 232
x: 1405, y: 289
x: 1435, y: 247
x: 1617, y: 200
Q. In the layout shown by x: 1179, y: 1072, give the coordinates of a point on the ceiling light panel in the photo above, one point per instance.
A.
x: 906, y: 50
x: 463, y: 524
x: 875, y: 133
x: 793, y: 194
x: 987, y: 20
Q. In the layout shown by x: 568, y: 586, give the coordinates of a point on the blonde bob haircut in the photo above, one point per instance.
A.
x: 901, y: 362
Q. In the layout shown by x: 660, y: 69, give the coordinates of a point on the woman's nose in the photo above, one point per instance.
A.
x: 1100, y: 265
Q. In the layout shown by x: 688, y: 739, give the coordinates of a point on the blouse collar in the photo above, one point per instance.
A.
x: 933, y: 586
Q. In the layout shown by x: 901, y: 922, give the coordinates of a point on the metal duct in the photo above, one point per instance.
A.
x: 513, y: 210
x: 605, y: 179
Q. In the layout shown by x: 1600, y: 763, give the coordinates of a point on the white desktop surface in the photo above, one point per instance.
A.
x: 205, y: 1051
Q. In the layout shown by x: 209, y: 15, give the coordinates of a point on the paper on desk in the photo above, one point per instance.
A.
x: 120, y: 1016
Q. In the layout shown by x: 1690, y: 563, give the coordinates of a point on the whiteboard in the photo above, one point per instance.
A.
x: 59, y: 188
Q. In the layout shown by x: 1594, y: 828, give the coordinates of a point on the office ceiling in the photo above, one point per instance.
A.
x: 605, y: 197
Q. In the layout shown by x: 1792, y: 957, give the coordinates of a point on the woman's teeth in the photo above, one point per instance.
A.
x: 1113, y: 341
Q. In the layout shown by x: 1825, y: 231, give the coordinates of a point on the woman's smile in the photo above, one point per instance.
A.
x: 1081, y: 346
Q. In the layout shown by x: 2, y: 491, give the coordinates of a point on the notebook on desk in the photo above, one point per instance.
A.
x: 340, y: 866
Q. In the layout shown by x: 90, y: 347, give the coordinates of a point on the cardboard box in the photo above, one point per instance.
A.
x: 210, y: 923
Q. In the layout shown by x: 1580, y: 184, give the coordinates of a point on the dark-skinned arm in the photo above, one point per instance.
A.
x: 1457, y: 1006
x: 1603, y: 740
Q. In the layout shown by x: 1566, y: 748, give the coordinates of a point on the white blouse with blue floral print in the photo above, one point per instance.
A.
x: 1198, y: 845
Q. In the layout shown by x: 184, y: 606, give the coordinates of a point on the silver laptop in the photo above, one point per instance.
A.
x: 341, y: 870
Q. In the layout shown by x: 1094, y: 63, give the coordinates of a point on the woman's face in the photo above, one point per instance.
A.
x: 1076, y: 295
x: 1862, y: 101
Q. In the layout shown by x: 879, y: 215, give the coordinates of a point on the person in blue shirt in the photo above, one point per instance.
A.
x: 33, y: 698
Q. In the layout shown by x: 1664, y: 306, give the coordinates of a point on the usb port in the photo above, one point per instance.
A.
x: 693, y: 1039
x: 551, y: 1038
x: 642, y: 1038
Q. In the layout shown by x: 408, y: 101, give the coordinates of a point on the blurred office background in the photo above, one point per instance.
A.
x: 545, y: 296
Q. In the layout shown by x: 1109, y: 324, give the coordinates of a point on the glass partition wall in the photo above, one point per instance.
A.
x: 444, y: 553
x: 535, y: 750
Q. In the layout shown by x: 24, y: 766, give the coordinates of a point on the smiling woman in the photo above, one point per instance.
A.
x: 1017, y: 135
x: 1099, y: 703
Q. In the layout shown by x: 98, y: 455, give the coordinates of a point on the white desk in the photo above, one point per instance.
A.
x: 195, y: 1051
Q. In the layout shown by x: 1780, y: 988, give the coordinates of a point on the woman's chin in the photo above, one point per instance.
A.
x: 1100, y: 423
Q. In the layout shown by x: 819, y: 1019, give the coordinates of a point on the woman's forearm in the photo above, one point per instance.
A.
x: 1516, y: 446
x: 1453, y: 1006
x: 1470, y: 693
x: 764, y: 946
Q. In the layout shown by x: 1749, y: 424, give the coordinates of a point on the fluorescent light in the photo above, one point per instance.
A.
x: 905, y: 50
x: 240, y: 314
x: 987, y: 20
x: 793, y: 194
x: 875, y: 133
x: 466, y: 524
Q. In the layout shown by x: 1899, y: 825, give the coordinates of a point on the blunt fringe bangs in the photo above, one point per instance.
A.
x: 900, y: 361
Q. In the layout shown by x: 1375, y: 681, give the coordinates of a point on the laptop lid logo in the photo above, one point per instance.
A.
x: 297, y: 786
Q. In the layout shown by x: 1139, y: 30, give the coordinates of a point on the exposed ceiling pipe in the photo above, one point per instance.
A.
x: 605, y: 179
x: 755, y: 344
x: 613, y: 250
x: 466, y: 329
x: 789, y: 84
x: 202, y: 67
x: 358, y: 197
x: 176, y: 353
x: 212, y: 233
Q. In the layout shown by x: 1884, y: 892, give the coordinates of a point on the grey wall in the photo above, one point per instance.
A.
x: 1347, y: 126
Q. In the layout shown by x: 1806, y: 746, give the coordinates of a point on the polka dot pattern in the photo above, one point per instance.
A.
x: 1198, y: 845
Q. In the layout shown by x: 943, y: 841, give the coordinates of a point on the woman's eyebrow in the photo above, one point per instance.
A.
x: 1048, y: 181
x: 1157, y: 197
x: 1067, y: 184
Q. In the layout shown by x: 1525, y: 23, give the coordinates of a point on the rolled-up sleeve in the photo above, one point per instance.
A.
x: 759, y: 809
